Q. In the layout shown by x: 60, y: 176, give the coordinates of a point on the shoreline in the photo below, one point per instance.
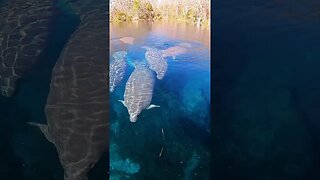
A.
x: 204, y: 24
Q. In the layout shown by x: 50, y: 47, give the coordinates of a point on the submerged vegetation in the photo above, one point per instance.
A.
x: 194, y: 11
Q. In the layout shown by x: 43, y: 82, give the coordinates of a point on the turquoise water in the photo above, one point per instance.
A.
x: 184, y: 115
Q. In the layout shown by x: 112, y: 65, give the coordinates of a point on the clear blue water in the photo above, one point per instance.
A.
x: 184, y: 115
x: 266, y: 90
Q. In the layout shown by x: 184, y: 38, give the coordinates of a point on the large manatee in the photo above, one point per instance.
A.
x: 77, y: 104
x: 156, y: 61
x: 117, y: 69
x: 139, y: 91
x: 24, y: 29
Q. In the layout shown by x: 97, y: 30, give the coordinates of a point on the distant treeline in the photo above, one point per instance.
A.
x: 195, y: 11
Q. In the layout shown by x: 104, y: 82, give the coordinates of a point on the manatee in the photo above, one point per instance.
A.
x: 127, y: 40
x: 185, y: 44
x: 117, y: 69
x: 156, y: 61
x: 24, y: 29
x: 77, y: 105
x: 139, y: 91
x: 174, y: 51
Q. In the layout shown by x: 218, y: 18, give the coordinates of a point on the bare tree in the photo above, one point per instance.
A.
x: 195, y: 11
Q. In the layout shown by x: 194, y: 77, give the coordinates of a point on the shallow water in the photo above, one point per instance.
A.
x: 184, y: 100
x: 266, y: 90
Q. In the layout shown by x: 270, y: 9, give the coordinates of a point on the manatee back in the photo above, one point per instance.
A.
x: 156, y: 62
x: 139, y: 89
x: 77, y: 104
x: 117, y: 70
x: 24, y: 30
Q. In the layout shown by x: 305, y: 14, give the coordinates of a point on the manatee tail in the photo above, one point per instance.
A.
x: 44, y: 129
x: 76, y: 173
x: 119, y: 54
x: 145, y: 47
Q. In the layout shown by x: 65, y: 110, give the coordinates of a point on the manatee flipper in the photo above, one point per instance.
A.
x: 122, y: 101
x: 153, y: 106
x: 44, y: 129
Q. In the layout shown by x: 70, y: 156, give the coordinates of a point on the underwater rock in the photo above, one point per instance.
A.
x: 156, y: 61
x: 139, y: 91
x: 267, y: 127
x: 195, y: 104
x: 117, y: 69
x: 24, y: 27
x: 117, y: 163
x: 114, y: 127
x: 191, y: 164
x: 125, y: 166
x: 77, y: 104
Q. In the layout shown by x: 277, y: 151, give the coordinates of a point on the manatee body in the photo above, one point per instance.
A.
x: 77, y: 104
x: 24, y: 30
x: 117, y: 69
x: 156, y: 61
x: 127, y: 40
x: 139, y: 91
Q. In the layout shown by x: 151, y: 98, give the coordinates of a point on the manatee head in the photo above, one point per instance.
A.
x: 120, y: 54
x: 160, y: 76
x: 146, y: 47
